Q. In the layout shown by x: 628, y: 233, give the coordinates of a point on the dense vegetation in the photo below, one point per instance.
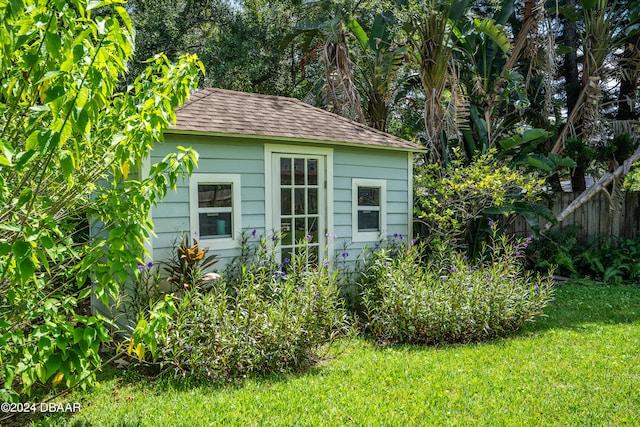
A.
x: 508, y: 98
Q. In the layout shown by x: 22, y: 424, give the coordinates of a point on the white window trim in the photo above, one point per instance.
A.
x: 271, y: 202
x: 368, y: 236
x: 236, y: 203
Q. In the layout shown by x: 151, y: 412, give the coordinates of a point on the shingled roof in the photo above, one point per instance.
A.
x: 219, y: 111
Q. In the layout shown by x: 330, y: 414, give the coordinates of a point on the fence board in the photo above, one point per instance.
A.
x: 593, y: 217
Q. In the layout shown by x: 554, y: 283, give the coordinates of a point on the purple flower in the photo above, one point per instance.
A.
x: 492, y: 224
x: 400, y: 236
x: 410, y: 287
x: 300, y: 289
x: 553, y: 298
x: 345, y: 254
x: 316, y: 295
x: 377, y: 245
x: 452, y: 270
x: 189, y: 348
x: 464, y: 258
x: 384, y: 264
x: 149, y: 265
x: 140, y: 267
x: 308, y: 237
x: 253, y: 233
x: 286, y: 260
x: 281, y: 265
x: 488, y: 279
x: 325, y: 263
x: 328, y: 235
x: 537, y: 288
x: 395, y: 235
x: 237, y: 291
x: 529, y: 239
x: 413, y: 241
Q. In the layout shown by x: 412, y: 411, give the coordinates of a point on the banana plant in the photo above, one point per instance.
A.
x: 373, y: 61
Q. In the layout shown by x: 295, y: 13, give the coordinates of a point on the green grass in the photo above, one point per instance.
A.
x: 578, y: 366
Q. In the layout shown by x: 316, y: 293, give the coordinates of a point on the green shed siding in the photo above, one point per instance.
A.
x: 350, y: 163
x: 245, y: 156
x: 216, y: 155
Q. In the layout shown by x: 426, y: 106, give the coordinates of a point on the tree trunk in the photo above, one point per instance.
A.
x: 619, y: 173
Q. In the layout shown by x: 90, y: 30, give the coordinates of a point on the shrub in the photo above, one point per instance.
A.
x: 613, y: 260
x: 450, y: 299
x: 267, y: 319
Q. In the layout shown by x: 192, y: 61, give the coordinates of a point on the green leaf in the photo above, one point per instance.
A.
x: 21, y: 250
x: 5, y: 248
x: 25, y: 196
x: 53, y: 365
x: 32, y: 140
x: 534, y: 134
x: 494, y: 31
x: 357, y: 31
x: 540, y: 162
x: 53, y: 43
x: 78, y: 334
x: 6, y: 154
x: 67, y: 163
x: 54, y: 92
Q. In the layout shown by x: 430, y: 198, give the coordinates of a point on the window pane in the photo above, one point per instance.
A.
x: 285, y: 201
x: 298, y: 166
x: 299, y: 194
x: 312, y: 171
x: 312, y: 229
x: 313, y: 201
x: 285, y: 171
x: 368, y: 196
x: 214, y: 195
x: 214, y: 225
x: 368, y: 220
x: 285, y: 228
x: 300, y: 229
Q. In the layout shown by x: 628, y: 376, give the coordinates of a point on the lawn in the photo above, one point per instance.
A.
x: 580, y: 365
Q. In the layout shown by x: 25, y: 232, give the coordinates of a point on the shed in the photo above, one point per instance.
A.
x: 276, y: 164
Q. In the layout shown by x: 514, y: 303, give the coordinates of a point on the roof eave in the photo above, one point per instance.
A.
x: 289, y: 139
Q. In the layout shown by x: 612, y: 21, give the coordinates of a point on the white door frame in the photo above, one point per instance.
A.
x: 272, y: 197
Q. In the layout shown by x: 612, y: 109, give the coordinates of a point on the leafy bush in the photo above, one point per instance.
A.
x: 556, y: 249
x: 611, y: 259
x: 270, y: 318
x: 453, y: 200
x: 450, y: 299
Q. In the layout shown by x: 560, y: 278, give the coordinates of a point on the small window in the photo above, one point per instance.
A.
x: 369, y: 209
x: 215, y: 208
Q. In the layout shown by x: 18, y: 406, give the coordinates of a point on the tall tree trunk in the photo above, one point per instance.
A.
x: 572, y: 85
x: 628, y: 83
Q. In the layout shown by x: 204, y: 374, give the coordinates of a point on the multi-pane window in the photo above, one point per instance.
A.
x: 369, y: 210
x: 215, y: 208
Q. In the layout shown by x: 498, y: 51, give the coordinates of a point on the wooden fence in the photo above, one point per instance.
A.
x: 594, y: 218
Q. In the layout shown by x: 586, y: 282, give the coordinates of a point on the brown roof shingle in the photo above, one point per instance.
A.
x: 219, y: 111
